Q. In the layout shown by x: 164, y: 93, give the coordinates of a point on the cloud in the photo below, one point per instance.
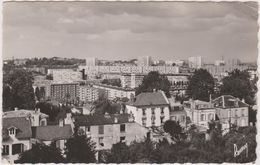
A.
x: 165, y: 28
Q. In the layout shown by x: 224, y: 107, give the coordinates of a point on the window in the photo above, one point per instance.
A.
x: 100, y: 141
x: 5, y: 150
x: 43, y: 123
x: 144, y: 122
x: 122, y: 128
x: 88, y: 129
x: 173, y: 118
x: 243, y: 112
x: 162, y: 110
x: 122, y: 139
x: 202, y: 117
x: 144, y: 112
x: 101, y: 129
x: 17, y: 149
x: 162, y: 119
x: 210, y: 117
x: 153, y: 111
x: 12, y: 131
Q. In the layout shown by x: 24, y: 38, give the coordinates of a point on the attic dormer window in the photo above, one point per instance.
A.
x: 12, y: 131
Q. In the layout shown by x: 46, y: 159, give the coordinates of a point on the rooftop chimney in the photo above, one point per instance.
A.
x: 15, y: 109
x: 116, y: 120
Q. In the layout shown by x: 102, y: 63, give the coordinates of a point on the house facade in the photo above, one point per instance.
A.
x: 16, y: 134
x: 200, y: 112
x: 231, y: 110
x: 106, y: 130
x: 150, y: 109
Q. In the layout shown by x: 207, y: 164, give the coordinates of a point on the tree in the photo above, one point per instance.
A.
x: 154, y: 81
x: 80, y: 149
x: 201, y: 85
x: 21, y: 91
x: 119, y: 154
x: 41, y: 153
x: 174, y: 129
x: 238, y: 85
x: 37, y: 93
x: 136, y: 152
x: 42, y: 92
x: 7, y: 98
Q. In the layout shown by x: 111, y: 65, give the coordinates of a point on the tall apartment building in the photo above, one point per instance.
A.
x: 66, y: 75
x: 91, y: 61
x: 195, y: 62
x: 87, y: 93
x: 222, y: 70
x: 64, y: 91
x: 144, y: 61
x: 131, y: 80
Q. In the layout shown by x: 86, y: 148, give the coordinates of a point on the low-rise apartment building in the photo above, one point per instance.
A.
x: 114, y: 92
x: 150, y: 109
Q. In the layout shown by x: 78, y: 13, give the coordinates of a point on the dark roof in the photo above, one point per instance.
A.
x: 229, y: 102
x: 52, y: 132
x: 88, y: 120
x: 151, y: 98
x: 22, y: 124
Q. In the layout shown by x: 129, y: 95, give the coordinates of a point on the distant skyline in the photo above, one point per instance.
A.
x: 126, y: 30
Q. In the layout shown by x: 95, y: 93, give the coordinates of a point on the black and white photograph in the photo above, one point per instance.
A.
x: 129, y: 82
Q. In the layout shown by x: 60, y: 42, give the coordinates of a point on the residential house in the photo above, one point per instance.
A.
x: 177, y: 113
x: 200, y: 112
x: 16, y: 134
x: 150, y: 108
x: 58, y: 134
x: 36, y: 117
x: 231, y: 110
x: 106, y: 130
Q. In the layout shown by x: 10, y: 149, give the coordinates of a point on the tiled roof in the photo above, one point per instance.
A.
x: 88, y: 120
x: 229, y: 102
x: 52, y: 132
x: 22, y: 113
x: 151, y: 98
x: 22, y: 124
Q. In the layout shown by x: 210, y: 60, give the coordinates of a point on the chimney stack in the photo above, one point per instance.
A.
x: 15, y: 109
x: 116, y: 120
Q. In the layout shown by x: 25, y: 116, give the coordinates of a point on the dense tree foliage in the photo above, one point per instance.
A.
x: 154, y: 81
x: 137, y: 152
x: 80, y: 149
x: 54, y: 112
x: 201, y: 85
x: 238, y: 85
x: 18, y: 90
x: 175, y: 130
x: 41, y: 153
x: 103, y: 105
x: 53, y: 61
x: 218, y: 148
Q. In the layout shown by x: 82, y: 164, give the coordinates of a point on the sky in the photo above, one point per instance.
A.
x: 126, y: 30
